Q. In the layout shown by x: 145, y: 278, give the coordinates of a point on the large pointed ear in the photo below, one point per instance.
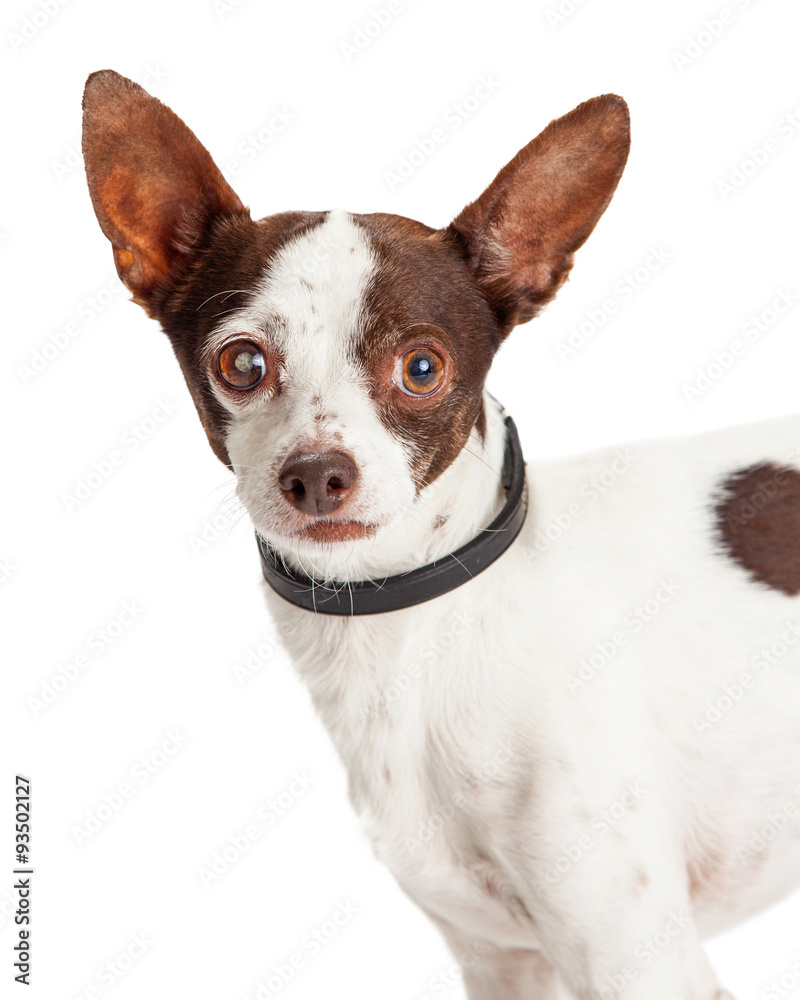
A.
x: 156, y: 191
x: 521, y: 233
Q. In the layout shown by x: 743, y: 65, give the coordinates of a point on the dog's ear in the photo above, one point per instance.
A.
x: 155, y: 189
x: 521, y: 233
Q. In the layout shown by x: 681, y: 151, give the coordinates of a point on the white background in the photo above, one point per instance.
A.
x: 226, y: 69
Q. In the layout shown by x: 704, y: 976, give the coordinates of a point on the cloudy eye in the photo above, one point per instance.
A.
x: 241, y: 364
x: 421, y: 371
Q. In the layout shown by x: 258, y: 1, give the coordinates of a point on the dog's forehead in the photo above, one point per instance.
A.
x: 340, y: 280
x: 312, y: 293
x: 398, y: 268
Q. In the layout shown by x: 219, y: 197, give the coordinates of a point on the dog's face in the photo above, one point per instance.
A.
x: 337, y: 361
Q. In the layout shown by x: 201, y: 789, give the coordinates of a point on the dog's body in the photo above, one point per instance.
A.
x: 572, y: 761
x: 633, y: 768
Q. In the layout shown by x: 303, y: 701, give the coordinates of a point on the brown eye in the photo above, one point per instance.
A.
x: 241, y: 364
x: 421, y: 371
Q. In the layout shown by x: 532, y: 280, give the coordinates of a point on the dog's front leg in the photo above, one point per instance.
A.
x: 494, y: 973
x: 619, y: 921
x: 642, y: 955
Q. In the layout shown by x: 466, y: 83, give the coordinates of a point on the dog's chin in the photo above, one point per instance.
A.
x: 323, y: 548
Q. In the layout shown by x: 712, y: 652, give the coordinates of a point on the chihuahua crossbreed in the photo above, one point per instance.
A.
x: 567, y: 696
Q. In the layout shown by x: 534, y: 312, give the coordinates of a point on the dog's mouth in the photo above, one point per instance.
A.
x: 333, y: 530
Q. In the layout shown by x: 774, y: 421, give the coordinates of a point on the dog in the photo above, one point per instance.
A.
x: 567, y: 695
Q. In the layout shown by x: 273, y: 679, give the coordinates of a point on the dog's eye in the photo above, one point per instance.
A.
x: 421, y: 371
x: 241, y: 364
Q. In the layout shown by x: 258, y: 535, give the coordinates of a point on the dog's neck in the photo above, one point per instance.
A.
x: 447, y: 514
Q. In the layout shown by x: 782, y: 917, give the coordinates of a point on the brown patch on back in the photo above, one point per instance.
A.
x: 758, y: 516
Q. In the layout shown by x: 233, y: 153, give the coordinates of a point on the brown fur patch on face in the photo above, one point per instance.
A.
x: 758, y: 517
x: 423, y: 284
x: 231, y: 266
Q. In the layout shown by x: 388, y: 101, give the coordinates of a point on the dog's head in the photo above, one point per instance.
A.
x: 337, y: 361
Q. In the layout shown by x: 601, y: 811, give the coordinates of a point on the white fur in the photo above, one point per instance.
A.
x: 478, y: 761
x: 547, y: 820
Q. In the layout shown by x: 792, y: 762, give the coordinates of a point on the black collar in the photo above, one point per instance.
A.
x: 371, y: 597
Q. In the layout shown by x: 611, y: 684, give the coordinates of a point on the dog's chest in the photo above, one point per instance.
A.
x: 425, y: 740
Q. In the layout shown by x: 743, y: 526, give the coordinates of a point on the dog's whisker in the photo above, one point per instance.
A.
x: 227, y: 292
x: 488, y: 465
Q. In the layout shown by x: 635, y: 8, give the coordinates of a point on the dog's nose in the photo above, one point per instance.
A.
x: 317, y: 481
